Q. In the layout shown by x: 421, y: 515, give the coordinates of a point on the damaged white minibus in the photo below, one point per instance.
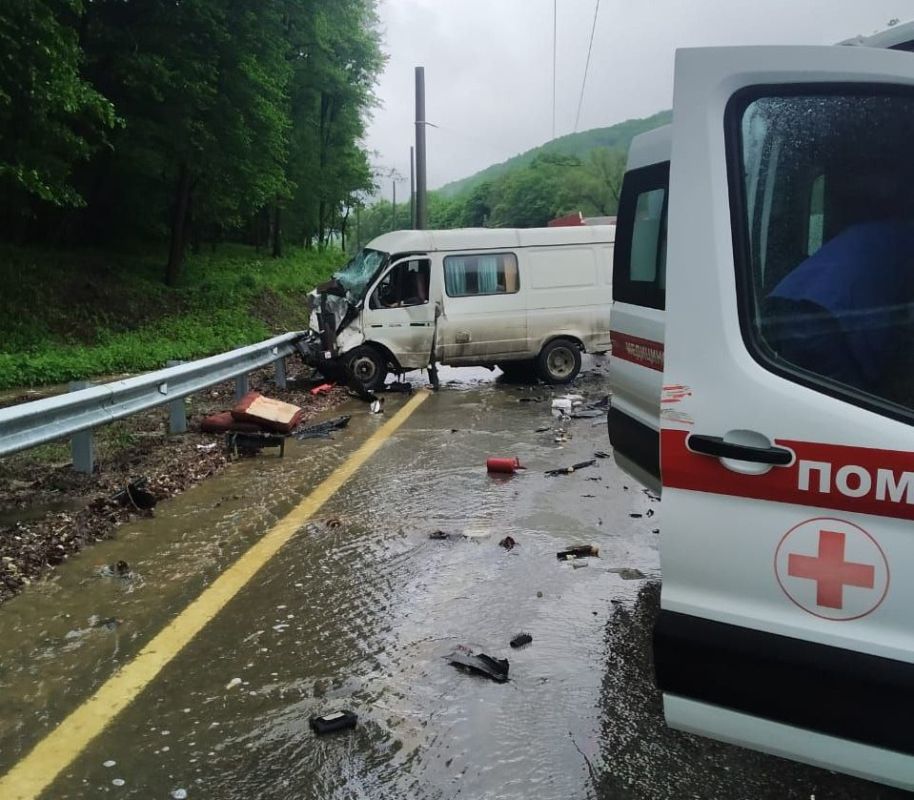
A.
x: 528, y: 300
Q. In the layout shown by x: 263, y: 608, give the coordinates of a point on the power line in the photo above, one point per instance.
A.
x: 555, y: 19
x: 593, y: 30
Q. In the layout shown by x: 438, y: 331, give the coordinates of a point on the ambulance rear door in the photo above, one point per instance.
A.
x: 788, y: 462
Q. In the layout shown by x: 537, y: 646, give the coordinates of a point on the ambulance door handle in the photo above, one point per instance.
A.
x: 719, y: 448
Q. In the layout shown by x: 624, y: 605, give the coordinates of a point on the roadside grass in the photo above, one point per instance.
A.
x: 74, y: 314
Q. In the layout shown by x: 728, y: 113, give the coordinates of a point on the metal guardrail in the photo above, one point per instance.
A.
x: 69, y: 415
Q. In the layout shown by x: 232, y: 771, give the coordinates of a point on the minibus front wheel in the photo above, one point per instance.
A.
x: 368, y: 365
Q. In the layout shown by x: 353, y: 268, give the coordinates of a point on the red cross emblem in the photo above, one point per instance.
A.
x: 832, y: 568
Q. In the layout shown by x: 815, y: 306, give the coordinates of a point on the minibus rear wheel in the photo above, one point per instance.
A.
x: 368, y: 365
x: 559, y: 361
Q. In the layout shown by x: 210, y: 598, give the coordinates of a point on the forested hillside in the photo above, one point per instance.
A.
x: 577, y: 145
x: 579, y: 172
x: 183, y: 122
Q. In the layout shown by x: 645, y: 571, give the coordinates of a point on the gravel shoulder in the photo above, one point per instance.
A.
x: 48, y: 511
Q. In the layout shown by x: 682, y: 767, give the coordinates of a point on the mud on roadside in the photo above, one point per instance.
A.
x: 48, y: 512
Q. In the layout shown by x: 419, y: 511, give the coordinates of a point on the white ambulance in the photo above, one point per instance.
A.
x: 763, y: 376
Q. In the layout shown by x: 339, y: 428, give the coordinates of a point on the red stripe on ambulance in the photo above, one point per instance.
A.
x: 644, y: 352
x: 860, y: 479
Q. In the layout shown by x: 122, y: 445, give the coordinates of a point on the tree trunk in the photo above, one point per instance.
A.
x: 178, y: 227
x: 277, y: 231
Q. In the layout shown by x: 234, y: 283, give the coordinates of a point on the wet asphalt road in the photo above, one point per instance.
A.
x: 360, y: 610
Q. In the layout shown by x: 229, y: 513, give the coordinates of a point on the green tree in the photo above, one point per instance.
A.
x: 50, y: 117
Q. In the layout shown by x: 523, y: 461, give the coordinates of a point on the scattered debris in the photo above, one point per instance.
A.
x: 561, y: 436
x: 508, y: 543
x: 223, y: 422
x: 529, y: 399
x: 655, y: 530
x: 109, y: 763
x: 267, y: 413
x: 324, y: 388
x: 521, y: 640
x: 250, y: 444
x: 179, y: 794
x: 572, y: 468
x: 539, y: 594
x: 543, y: 429
x: 588, y: 495
x: 136, y: 494
x: 480, y: 663
x: 439, y: 535
x: 118, y: 782
x: 628, y: 574
x: 110, y: 623
x: 322, y: 430
x: 588, y: 414
x: 335, y: 721
x: 233, y: 683
x: 119, y: 570
x: 636, y: 515
x: 377, y: 406
x: 650, y: 512
x: 601, y: 454
x: 334, y: 522
x: 207, y: 448
x: 578, y: 551
x: 504, y: 465
x: 577, y: 563
x: 401, y: 387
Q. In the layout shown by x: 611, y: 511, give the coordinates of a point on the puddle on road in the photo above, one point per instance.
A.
x: 359, y: 615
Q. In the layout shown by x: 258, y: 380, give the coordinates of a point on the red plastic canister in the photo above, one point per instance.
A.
x: 508, y: 465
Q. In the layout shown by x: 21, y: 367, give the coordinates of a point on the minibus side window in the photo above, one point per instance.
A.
x: 639, y: 261
x: 481, y: 274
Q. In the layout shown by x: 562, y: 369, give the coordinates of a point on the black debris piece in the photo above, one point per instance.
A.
x: 494, y: 668
x: 578, y: 551
x: 601, y: 454
x: 635, y: 515
x: 521, y: 640
x: 438, y: 535
x: 250, y: 444
x: 136, y: 494
x: 588, y: 495
x: 650, y: 512
x: 588, y: 413
x: 572, y: 468
x: 655, y: 530
x: 322, y: 430
x: 544, y: 429
x: 400, y: 387
x: 335, y: 721
x: 509, y: 543
x: 529, y: 399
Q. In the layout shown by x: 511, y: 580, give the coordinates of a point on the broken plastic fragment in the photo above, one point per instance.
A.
x: 109, y: 763
x: 521, y: 639
x: 481, y: 664
x: 179, y: 794
x: 578, y: 551
x: 233, y: 683
x: 335, y: 721
x: 572, y: 468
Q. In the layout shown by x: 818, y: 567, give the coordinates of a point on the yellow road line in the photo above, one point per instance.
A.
x: 59, y: 749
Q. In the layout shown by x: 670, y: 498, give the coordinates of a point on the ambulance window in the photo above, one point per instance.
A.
x: 639, y: 260
x: 825, y: 265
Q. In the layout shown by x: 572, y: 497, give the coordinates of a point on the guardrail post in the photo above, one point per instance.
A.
x: 177, y: 416
x: 280, y: 365
x: 82, y: 444
x: 241, y: 386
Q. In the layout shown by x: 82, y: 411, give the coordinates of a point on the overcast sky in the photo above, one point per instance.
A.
x: 488, y: 66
